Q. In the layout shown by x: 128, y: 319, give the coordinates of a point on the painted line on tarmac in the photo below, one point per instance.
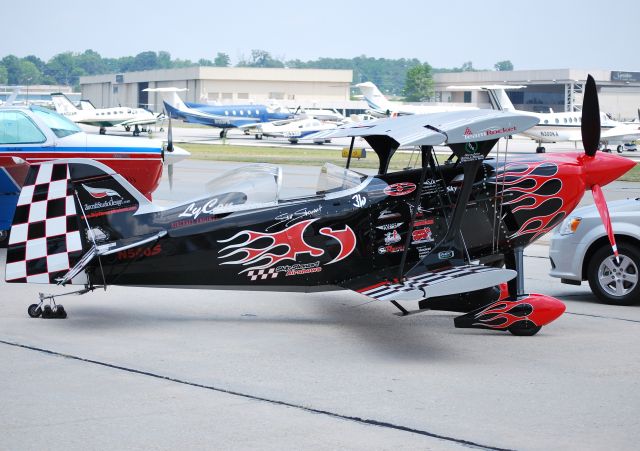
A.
x: 366, y: 421
x: 604, y: 317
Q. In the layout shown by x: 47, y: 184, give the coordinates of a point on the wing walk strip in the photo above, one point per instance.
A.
x: 417, y: 287
x: 365, y: 421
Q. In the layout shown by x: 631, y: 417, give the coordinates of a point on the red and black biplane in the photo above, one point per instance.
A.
x: 444, y: 236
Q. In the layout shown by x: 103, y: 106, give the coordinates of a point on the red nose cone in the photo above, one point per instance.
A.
x: 545, y: 308
x: 604, y: 168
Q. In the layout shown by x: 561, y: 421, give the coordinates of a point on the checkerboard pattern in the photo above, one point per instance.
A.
x: 45, y: 238
x: 262, y: 274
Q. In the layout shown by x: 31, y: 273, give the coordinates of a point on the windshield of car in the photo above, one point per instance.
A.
x: 58, y: 124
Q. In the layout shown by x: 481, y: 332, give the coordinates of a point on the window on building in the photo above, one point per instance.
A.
x: 213, y: 96
x: 467, y: 97
x: 227, y: 96
x: 276, y: 95
x: 243, y: 95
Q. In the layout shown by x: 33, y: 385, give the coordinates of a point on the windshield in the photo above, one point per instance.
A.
x: 261, y: 183
x: 58, y: 124
x: 334, y: 178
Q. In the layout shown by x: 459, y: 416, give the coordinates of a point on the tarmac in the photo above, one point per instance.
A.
x: 142, y: 368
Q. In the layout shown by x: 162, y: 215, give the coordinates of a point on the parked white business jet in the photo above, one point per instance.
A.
x: 382, y: 107
x: 292, y: 130
x: 558, y: 127
x: 104, y: 117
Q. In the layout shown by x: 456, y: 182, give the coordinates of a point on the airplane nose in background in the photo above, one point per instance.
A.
x: 605, y: 168
x: 177, y: 155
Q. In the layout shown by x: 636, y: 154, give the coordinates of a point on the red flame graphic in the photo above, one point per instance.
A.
x: 282, y: 246
x: 537, y: 308
x: 526, y: 181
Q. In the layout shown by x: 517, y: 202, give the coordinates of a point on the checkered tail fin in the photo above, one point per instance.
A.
x: 45, y: 239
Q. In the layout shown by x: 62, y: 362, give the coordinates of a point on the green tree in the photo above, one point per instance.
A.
x: 28, y: 73
x: 505, y: 65
x: 164, y: 60
x: 62, y: 69
x: 205, y: 62
x: 467, y: 67
x: 91, y: 62
x: 418, y: 85
x: 12, y: 64
x: 145, y: 61
x: 222, y: 60
x: 261, y: 58
x: 4, y: 75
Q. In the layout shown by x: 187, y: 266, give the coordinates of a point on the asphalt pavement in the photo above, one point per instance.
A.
x: 142, y: 368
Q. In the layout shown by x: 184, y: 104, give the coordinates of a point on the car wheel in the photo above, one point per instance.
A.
x: 615, y: 282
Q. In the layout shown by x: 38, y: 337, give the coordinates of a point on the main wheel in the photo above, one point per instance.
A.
x: 127, y: 128
x: 615, y: 282
x: 540, y: 149
x: 34, y: 311
x: 619, y: 149
x: 221, y: 133
x: 524, y: 329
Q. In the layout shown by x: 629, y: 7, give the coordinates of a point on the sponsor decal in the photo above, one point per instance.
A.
x: 391, y: 237
x: 359, y: 200
x: 423, y: 251
x: 388, y: 214
x: 390, y: 226
x: 262, y: 250
x: 423, y: 222
x: 135, y: 253
x: 422, y: 235
x: 390, y: 249
x: 431, y: 186
x: 288, y: 270
x: 105, y: 199
x: 101, y: 193
x: 287, y: 219
x: 400, y: 189
x: 208, y: 208
x: 468, y: 134
x: 445, y: 255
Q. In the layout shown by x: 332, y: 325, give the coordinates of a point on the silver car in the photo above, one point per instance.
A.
x: 580, y: 250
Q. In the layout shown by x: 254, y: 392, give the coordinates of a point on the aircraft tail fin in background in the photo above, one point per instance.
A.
x: 62, y: 103
x: 374, y: 97
x: 497, y: 94
x: 86, y: 105
x: 14, y: 95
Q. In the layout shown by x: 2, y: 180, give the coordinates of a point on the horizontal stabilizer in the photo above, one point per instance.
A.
x: 455, y: 280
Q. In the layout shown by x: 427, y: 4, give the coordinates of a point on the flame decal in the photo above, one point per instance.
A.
x: 261, y: 250
x: 281, y: 246
x: 502, y: 314
x: 535, y: 308
x: 532, y: 189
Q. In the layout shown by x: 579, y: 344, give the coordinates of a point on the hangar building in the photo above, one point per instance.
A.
x: 306, y: 87
x: 558, y: 89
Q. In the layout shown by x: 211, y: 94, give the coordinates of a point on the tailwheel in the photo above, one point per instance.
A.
x: 60, y: 312
x: 34, y: 310
x: 524, y: 329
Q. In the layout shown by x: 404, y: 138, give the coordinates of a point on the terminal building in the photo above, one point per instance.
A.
x: 557, y: 89
x: 225, y: 85
x: 553, y: 89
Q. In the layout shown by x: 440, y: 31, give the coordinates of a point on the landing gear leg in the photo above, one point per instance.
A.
x: 223, y: 133
x: 47, y: 307
x: 136, y: 131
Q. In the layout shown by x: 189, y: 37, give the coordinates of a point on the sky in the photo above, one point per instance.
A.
x: 538, y: 34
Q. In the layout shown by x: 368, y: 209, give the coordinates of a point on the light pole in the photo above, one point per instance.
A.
x: 28, y: 81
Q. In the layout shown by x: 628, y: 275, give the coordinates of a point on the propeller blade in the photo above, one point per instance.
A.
x: 590, y: 126
x: 170, y: 137
x: 170, y: 174
x: 601, y: 204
